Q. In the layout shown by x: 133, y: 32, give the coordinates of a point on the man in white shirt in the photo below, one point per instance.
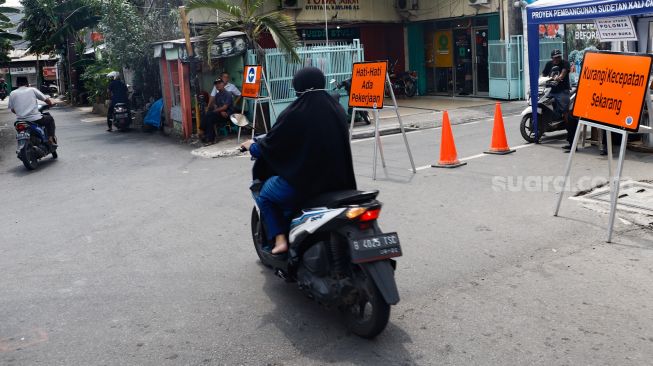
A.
x: 24, y: 103
x: 228, y: 86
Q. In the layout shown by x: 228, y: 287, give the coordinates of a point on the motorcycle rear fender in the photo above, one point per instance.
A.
x: 383, y: 275
x: 529, y: 110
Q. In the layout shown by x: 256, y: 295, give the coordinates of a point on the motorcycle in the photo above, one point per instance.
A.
x: 547, y: 118
x: 360, y: 115
x: 32, y: 141
x: 121, y: 117
x: 404, y: 82
x: 49, y: 89
x: 337, y: 254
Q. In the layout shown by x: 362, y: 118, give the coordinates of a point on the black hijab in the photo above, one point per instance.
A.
x: 309, y: 144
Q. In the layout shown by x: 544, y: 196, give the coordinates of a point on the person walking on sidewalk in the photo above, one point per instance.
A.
x: 117, y: 93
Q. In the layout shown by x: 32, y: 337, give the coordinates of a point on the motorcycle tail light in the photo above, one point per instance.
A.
x: 413, y: 74
x: 371, y: 215
x: 21, y: 127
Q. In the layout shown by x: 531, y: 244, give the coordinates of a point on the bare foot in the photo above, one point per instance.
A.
x: 280, y: 248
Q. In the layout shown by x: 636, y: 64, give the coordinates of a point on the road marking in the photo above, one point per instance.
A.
x: 93, y: 119
x: 476, y: 156
x: 425, y: 129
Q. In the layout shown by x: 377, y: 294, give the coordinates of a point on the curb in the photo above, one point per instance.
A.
x: 415, y: 127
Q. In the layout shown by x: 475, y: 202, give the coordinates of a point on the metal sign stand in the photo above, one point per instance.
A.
x: 258, y: 102
x: 377, y: 136
x: 614, y: 179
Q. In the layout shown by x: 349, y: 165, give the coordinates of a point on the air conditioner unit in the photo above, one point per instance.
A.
x: 290, y: 4
x: 478, y: 2
x: 407, y: 4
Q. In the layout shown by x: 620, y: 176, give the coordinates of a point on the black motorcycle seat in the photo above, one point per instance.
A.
x: 340, y: 198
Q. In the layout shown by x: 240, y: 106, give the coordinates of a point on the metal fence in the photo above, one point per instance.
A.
x: 335, y: 60
x: 506, y: 63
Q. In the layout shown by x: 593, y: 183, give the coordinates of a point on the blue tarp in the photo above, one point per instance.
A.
x: 153, y: 116
x: 570, y: 11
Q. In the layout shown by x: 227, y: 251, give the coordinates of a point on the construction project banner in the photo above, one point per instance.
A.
x: 252, y: 81
x: 612, y: 87
x: 368, y: 84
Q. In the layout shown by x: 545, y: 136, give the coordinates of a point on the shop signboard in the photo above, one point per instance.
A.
x: 443, y: 48
x: 23, y: 70
x: 337, y: 33
x: 615, y: 29
x: 50, y: 72
x: 229, y: 47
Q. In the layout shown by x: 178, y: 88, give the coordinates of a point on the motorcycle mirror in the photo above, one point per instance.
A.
x: 239, y: 120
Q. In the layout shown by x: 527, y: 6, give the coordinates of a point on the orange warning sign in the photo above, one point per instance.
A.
x: 612, y: 87
x: 368, y: 84
x: 252, y: 81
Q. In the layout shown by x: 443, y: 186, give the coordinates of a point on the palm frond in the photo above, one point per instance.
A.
x: 283, y: 31
x: 10, y: 36
x: 220, y: 5
x: 250, y: 8
x: 6, y: 9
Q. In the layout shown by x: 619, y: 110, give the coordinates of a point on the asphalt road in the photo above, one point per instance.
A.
x: 129, y: 250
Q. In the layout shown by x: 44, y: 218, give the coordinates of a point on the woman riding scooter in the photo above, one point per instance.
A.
x: 308, y: 149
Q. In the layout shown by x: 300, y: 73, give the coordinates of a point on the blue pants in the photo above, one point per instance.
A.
x: 277, y: 201
x: 561, y: 104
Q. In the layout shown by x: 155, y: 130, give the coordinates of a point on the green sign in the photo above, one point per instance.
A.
x: 318, y: 34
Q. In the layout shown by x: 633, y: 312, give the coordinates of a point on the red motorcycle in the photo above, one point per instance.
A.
x: 403, y: 83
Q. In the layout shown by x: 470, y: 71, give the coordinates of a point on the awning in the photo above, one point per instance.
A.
x: 571, y: 11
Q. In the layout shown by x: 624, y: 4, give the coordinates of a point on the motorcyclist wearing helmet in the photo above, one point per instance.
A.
x: 558, y: 69
x: 23, y: 102
x: 308, y: 151
x: 4, y: 86
x: 118, y: 93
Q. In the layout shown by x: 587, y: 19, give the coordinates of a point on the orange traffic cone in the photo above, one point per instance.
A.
x: 499, y: 145
x: 448, y: 154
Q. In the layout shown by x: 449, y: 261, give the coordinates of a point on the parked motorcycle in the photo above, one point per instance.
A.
x: 360, y: 115
x: 547, y: 118
x: 337, y: 255
x: 121, y: 118
x: 404, y: 82
x: 49, y: 89
x: 32, y: 141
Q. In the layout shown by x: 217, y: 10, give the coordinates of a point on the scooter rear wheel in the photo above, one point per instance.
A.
x: 258, y: 235
x: 28, y: 158
x: 369, y: 316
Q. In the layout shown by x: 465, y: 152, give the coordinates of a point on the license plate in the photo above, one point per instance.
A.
x: 121, y: 115
x: 375, y: 248
x: 22, y: 136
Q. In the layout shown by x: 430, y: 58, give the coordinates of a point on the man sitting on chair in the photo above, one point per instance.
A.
x: 218, y: 112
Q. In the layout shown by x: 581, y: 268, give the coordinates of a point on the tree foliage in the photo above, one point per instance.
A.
x: 5, y: 36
